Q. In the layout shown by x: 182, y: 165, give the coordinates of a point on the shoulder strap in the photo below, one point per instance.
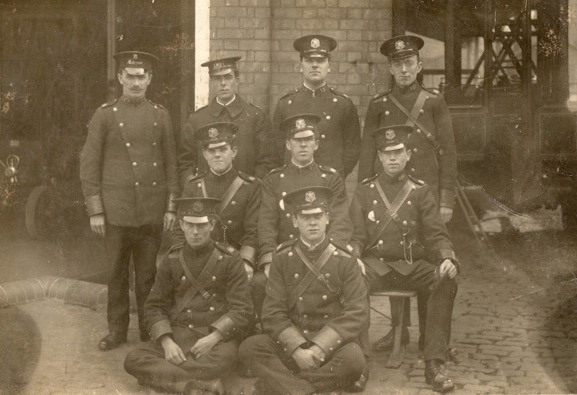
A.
x: 196, y: 286
x: 392, y: 210
x: 314, y: 272
x: 229, y: 194
x: 412, y: 118
x: 203, y: 188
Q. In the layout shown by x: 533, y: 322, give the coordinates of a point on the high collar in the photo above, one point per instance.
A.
x: 234, y: 108
x: 226, y: 104
x: 315, y: 92
x: 313, y: 252
x: 387, y: 179
x: 229, y: 175
x: 312, y: 247
x: 133, y: 102
x: 403, y: 90
x: 203, y: 250
x: 302, y: 169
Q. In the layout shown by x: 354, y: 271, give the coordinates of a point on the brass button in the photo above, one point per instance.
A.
x: 334, y: 99
x: 212, y: 308
x: 282, y: 175
x: 136, y: 184
x: 183, y: 278
x: 114, y: 109
x: 229, y: 222
x: 283, y: 194
x: 300, y: 298
x: 233, y: 203
x: 121, y: 124
x: 375, y: 202
x: 288, y: 215
x: 128, y: 145
x: 155, y: 164
x: 154, y: 183
x: 213, y: 278
x: 134, y: 164
x: 155, y: 123
x: 328, y: 117
x: 290, y: 253
x: 325, y: 297
x: 191, y: 326
x: 296, y: 275
x: 291, y: 236
x: 387, y: 112
x: 154, y: 144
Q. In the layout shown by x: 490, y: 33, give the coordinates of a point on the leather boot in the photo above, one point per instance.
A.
x: 385, y: 343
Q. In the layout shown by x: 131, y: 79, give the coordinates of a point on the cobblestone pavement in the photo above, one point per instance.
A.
x: 515, y: 328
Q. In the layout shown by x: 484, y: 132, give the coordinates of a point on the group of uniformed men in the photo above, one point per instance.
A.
x: 269, y: 264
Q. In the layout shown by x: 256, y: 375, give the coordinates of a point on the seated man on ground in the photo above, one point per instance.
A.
x: 197, y: 312
x: 315, y: 306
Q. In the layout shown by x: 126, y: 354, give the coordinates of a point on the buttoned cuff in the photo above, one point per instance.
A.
x: 170, y: 204
x: 226, y: 326
x: 264, y: 259
x: 291, y: 339
x: 248, y: 253
x: 160, y: 328
x: 94, y: 205
x: 328, y: 340
x: 447, y: 198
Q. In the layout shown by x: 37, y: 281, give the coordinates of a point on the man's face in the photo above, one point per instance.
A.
x: 302, y: 149
x: 220, y: 159
x: 315, y: 70
x: 196, y: 235
x: 312, y: 227
x: 224, y: 86
x: 394, y: 161
x: 405, y: 70
x: 134, y: 86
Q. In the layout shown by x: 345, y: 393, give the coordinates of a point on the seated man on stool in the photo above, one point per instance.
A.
x: 197, y: 311
x: 315, y: 306
x: 403, y: 241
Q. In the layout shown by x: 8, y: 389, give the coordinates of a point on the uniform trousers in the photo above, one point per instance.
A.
x: 150, y: 367
x: 282, y: 375
x: 121, y: 242
x: 435, y: 315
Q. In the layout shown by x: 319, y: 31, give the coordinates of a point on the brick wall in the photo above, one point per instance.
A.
x: 262, y: 32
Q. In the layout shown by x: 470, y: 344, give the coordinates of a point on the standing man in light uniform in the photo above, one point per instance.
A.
x: 226, y: 106
x: 129, y: 178
x: 339, y: 129
x: 434, y: 155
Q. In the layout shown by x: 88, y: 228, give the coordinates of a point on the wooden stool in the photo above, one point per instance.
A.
x: 398, y: 352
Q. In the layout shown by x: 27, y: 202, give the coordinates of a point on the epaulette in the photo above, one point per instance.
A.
x: 246, y: 177
x: 338, y: 93
x: 381, y: 94
x: 369, y: 179
x: 224, y: 247
x: 417, y: 181
x: 175, y: 250
x: 284, y: 247
x: 437, y: 93
x: 156, y: 105
x: 108, y: 104
x: 327, y: 169
x: 344, y: 249
x: 197, y: 176
x: 255, y: 106
x: 277, y: 169
x: 290, y: 93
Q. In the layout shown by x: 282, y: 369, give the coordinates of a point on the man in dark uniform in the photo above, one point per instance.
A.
x: 403, y: 241
x: 274, y: 223
x: 129, y: 178
x: 226, y: 106
x: 316, y: 302
x: 339, y: 129
x: 197, y: 311
x: 239, y: 192
x: 433, y: 159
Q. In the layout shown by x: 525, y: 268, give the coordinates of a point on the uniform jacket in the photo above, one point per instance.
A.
x: 238, y: 220
x: 439, y: 171
x: 128, y: 163
x: 274, y: 222
x: 339, y: 129
x: 253, y: 125
x: 419, y: 219
x: 327, y: 317
x: 229, y: 307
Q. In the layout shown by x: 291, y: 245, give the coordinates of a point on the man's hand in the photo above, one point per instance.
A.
x: 447, y: 268
x: 446, y: 213
x: 98, y: 224
x: 205, y: 344
x: 305, y: 358
x: 172, y: 352
x: 169, y: 219
x: 249, y: 270
x: 266, y: 269
x: 318, y: 353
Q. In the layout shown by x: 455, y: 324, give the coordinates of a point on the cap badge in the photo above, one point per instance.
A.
x: 212, y: 133
x: 197, y: 207
x: 134, y: 61
x: 135, y: 56
x: 399, y: 45
x: 310, y: 197
x: 315, y: 43
x: 217, y: 66
x: 390, y: 134
x: 300, y: 123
